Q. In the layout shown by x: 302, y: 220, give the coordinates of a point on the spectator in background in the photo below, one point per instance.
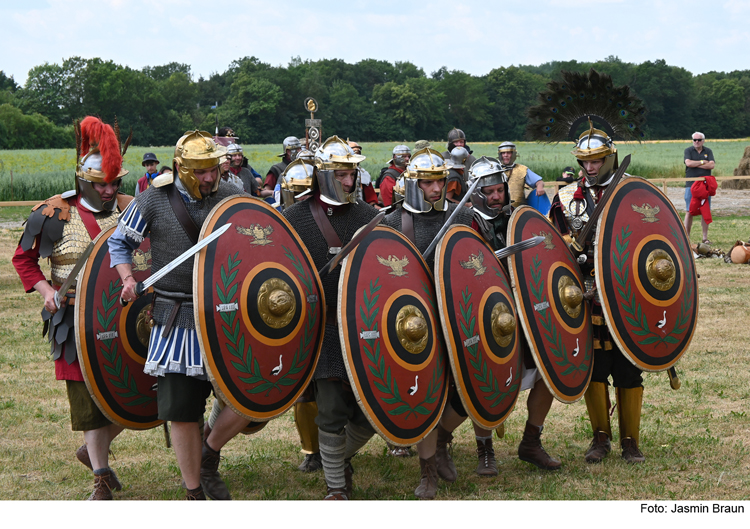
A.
x: 699, y: 161
x: 165, y: 169
x: 568, y: 175
x: 239, y: 167
x: 150, y: 162
x: 366, y: 188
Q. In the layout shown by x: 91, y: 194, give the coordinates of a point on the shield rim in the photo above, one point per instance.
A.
x: 522, y: 314
x: 199, y: 315
x: 598, y: 259
x: 83, y: 360
x: 446, y: 328
x: 345, y: 350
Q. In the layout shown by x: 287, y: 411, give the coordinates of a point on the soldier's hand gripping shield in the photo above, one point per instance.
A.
x: 556, y: 321
x: 479, y: 322
x: 390, y: 337
x: 112, y: 339
x: 258, y: 302
x: 645, y: 275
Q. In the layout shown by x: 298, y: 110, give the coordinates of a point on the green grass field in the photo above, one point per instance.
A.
x: 38, y: 174
x: 696, y: 440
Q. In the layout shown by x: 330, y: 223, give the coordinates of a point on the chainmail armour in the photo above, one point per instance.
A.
x: 345, y: 224
x: 427, y: 225
x: 168, y: 241
x: 493, y: 231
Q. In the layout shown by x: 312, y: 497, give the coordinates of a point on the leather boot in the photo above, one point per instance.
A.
x: 195, y: 494
x: 446, y: 469
x: 597, y: 404
x: 311, y: 463
x: 486, y: 454
x: 332, y: 449
x: 629, y: 402
x: 211, y: 482
x: 82, y: 454
x: 101, y: 486
x: 532, y: 451
x: 427, y: 488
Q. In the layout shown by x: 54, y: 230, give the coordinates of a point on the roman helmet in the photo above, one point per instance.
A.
x: 196, y: 150
x: 458, y: 158
x: 293, y: 145
x: 99, y: 161
x: 595, y: 144
x: 296, y: 180
x: 490, y: 172
x: 401, y: 155
x: 335, y: 154
x: 354, y: 145
x: 453, y: 135
x: 426, y: 164
x: 510, y: 147
x: 305, y: 154
x: 398, y: 191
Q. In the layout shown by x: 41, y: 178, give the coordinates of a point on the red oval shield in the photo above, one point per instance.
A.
x: 258, y: 302
x: 112, y: 340
x: 478, y: 317
x: 646, y: 275
x: 548, y: 286
x: 390, y: 336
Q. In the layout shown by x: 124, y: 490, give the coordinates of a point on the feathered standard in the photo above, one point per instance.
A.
x: 565, y: 104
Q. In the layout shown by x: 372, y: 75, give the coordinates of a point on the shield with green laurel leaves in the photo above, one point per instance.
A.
x: 556, y: 321
x: 479, y: 321
x: 258, y: 309
x: 390, y: 336
x: 112, y: 339
x: 645, y: 275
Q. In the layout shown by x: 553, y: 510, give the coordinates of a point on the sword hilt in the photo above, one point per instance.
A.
x: 139, y: 290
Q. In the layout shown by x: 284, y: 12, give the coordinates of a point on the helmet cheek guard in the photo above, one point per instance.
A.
x: 595, y: 144
x: 335, y: 155
x: 490, y: 172
x: 427, y: 164
x: 196, y: 150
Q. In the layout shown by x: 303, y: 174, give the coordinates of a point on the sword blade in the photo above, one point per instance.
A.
x: 73, y: 274
x: 519, y: 246
x: 142, y: 287
x: 346, y: 250
x: 448, y: 222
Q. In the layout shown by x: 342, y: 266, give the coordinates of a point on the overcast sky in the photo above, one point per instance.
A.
x: 473, y: 36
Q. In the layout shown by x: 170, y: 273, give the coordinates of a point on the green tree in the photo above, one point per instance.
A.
x: 512, y: 91
x: 468, y: 105
x: 251, y: 107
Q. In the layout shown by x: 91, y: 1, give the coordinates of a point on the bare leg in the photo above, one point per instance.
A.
x: 426, y: 447
x: 704, y: 227
x: 97, y: 443
x: 481, y: 432
x: 450, y: 419
x: 187, y: 442
x: 688, y: 223
x: 539, y: 403
x: 226, y: 427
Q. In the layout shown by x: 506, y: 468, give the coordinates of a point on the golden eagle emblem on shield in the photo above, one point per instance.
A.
x: 475, y: 261
x: 648, y: 211
x: 395, y: 264
x: 140, y: 260
x: 258, y: 233
x: 548, y: 244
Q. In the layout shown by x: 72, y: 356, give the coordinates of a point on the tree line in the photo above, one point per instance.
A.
x: 371, y: 100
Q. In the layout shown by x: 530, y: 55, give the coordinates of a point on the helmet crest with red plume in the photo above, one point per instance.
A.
x: 99, y: 161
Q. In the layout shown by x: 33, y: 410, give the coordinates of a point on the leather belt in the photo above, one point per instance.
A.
x: 407, y: 225
x: 324, y: 225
